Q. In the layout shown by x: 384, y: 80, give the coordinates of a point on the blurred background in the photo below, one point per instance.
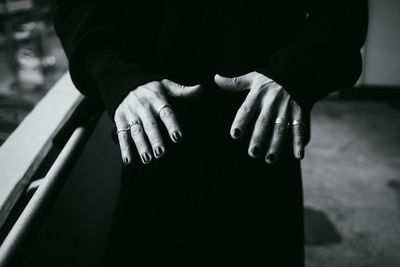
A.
x: 351, y: 172
x: 31, y: 59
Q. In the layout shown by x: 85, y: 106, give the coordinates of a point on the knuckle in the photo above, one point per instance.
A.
x: 276, y: 89
x: 136, y: 92
x: 155, y: 141
x: 240, y: 121
x: 124, y: 147
x: 298, y: 130
x: 299, y: 143
x: 118, y: 116
x: 257, y: 140
x: 141, y: 148
x: 258, y: 90
x: 166, y: 113
x: 124, y: 138
x: 135, y: 130
x: 246, y: 109
x: 280, y: 129
x: 295, y: 106
x: 154, y: 95
x: 263, y: 120
x: 150, y: 85
x: 146, y: 94
x: 150, y: 125
x: 118, y: 110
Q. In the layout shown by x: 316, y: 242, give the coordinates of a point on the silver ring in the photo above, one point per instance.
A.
x: 123, y: 130
x: 298, y: 122
x: 161, y: 108
x: 133, y: 123
x: 281, y: 121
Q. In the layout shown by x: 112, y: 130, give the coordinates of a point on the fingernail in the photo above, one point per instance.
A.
x: 177, y: 136
x: 159, y: 151
x: 271, y: 158
x: 255, y: 151
x: 236, y: 132
x: 145, y: 157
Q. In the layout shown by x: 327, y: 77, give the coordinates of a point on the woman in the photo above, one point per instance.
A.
x: 173, y: 76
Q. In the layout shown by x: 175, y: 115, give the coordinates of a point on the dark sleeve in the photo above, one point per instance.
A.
x: 89, y: 33
x: 325, y: 57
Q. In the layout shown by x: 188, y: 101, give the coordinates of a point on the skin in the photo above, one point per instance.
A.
x: 265, y: 99
x: 144, y: 105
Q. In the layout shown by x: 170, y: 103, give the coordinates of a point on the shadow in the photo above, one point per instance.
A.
x: 319, y: 229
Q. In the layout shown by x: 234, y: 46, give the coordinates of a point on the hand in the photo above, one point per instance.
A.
x: 136, y: 118
x: 269, y: 101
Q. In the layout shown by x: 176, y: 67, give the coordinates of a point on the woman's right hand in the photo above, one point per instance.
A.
x: 136, y: 118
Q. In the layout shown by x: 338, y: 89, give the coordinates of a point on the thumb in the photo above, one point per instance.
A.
x: 180, y: 91
x: 238, y: 84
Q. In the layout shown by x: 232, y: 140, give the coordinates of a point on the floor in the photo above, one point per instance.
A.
x: 351, y: 179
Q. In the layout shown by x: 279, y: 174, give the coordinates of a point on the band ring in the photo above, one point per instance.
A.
x: 161, y: 108
x: 281, y: 121
x: 298, y: 122
x: 123, y: 130
x: 134, y: 123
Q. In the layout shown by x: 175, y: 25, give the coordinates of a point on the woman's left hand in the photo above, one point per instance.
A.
x: 278, y: 115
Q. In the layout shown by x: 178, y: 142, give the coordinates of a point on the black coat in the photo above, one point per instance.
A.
x: 310, y: 47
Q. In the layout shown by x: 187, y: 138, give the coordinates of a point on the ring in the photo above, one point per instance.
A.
x: 161, y: 108
x: 297, y: 122
x: 123, y: 130
x: 281, y: 121
x: 133, y: 123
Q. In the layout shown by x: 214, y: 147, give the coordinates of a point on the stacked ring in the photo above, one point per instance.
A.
x: 128, y: 128
x: 134, y: 123
x: 123, y: 130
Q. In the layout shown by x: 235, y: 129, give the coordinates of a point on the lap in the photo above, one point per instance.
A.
x: 206, y: 202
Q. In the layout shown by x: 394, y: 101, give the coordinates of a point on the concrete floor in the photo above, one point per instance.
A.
x: 352, y: 185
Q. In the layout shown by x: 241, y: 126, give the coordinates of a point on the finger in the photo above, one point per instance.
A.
x: 162, y: 109
x: 262, y: 126
x: 123, y: 138
x: 297, y: 130
x: 240, y: 83
x: 138, y: 136
x: 244, y: 115
x: 152, y: 131
x: 279, y: 132
x: 170, y: 121
x: 180, y: 91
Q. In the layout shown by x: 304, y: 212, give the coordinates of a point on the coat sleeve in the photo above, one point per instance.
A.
x: 325, y: 56
x: 89, y: 34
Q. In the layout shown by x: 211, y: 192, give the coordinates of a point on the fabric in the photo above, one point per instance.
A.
x: 206, y: 203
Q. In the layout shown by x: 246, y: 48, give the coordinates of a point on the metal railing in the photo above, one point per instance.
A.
x: 62, y: 119
x: 46, y: 192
